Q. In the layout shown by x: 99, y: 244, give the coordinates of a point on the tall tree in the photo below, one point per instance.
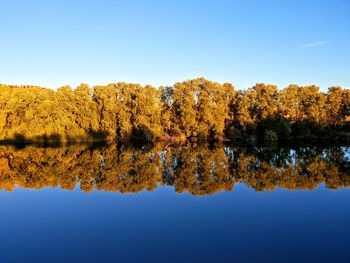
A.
x: 290, y: 103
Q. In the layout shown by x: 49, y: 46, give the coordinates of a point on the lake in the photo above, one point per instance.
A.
x: 159, y: 203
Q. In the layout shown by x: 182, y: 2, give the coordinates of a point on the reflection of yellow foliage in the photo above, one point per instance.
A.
x: 197, y: 170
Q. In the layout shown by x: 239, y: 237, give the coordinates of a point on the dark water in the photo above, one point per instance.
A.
x: 183, y: 204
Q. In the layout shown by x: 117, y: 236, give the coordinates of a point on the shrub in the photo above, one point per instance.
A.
x: 270, y: 136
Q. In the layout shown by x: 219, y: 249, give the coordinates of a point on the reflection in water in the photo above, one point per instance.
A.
x: 199, y: 170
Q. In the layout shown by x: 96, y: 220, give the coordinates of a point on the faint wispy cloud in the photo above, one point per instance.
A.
x: 314, y: 44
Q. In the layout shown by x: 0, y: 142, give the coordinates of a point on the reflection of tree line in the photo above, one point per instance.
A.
x: 199, y: 170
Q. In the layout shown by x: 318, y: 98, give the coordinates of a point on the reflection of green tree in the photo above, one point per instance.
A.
x: 198, y: 170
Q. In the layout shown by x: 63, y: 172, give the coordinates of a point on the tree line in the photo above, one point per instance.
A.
x: 199, y: 170
x: 196, y: 109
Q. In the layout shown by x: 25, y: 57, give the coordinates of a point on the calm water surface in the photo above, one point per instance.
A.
x: 182, y: 204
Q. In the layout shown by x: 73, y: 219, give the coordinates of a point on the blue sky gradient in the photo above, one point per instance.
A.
x: 54, y: 43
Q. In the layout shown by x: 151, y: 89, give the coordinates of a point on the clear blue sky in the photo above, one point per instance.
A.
x: 53, y: 43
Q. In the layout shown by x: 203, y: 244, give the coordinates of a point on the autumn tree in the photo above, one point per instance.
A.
x: 106, y: 100
x: 193, y: 109
x: 345, y: 106
x: 312, y: 104
x: 290, y: 103
x: 138, y: 111
x: 201, y: 107
x: 333, y: 105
